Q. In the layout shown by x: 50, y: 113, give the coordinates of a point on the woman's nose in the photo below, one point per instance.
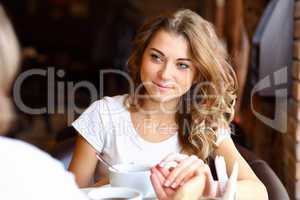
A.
x: 166, y: 71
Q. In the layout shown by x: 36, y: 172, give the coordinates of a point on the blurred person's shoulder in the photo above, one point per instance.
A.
x: 18, y: 151
x: 28, y: 172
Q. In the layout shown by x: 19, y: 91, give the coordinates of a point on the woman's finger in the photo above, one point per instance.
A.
x: 173, y: 157
x: 160, y: 177
x: 196, y: 169
x: 177, y: 170
x: 193, y: 189
x: 165, y: 172
x: 169, y: 165
x: 203, y: 170
x: 189, y: 172
x: 158, y: 188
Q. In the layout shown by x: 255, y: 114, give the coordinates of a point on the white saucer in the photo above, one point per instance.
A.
x: 87, y: 190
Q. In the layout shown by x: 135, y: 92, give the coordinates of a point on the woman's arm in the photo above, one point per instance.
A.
x: 84, y: 162
x: 249, y: 186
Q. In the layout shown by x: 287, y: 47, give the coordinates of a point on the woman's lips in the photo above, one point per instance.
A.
x: 162, y: 87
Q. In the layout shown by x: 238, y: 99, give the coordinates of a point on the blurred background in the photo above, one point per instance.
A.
x: 72, y: 40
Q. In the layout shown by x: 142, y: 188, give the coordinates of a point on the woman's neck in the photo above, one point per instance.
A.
x: 159, y: 111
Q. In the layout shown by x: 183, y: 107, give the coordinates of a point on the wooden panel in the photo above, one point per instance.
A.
x: 292, y: 139
x: 293, y: 188
x: 292, y: 167
x: 292, y: 147
x: 297, y: 9
x: 297, y: 28
x: 294, y: 106
x: 294, y: 126
x: 296, y: 69
x: 296, y: 90
x: 296, y: 48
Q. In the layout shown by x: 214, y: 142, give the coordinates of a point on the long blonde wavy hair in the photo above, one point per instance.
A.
x: 9, y: 63
x: 209, y: 104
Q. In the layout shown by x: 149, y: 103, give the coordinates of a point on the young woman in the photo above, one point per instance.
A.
x: 183, y: 101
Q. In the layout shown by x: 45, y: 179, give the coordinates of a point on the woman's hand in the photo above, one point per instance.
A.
x: 158, y: 177
x: 187, y: 168
x: 180, y: 176
x: 179, y: 172
x: 192, y: 189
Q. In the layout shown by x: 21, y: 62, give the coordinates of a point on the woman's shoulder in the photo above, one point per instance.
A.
x: 116, y: 103
x: 111, y: 103
x: 118, y: 99
x: 105, y: 108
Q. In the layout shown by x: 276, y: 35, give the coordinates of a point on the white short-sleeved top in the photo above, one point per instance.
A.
x: 28, y: 173
x: 107, y: 127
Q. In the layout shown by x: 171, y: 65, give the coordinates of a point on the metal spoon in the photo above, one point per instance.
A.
x: 107, y: 164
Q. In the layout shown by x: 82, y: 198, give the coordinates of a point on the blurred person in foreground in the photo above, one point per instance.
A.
x: 25, y: 171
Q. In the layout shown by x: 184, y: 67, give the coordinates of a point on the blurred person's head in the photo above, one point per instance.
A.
x: 204, y: 85
x: 9, y: 63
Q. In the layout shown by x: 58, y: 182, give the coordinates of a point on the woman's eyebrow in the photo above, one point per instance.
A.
x: 184, y: 59
x: 154, y: 49
x: 179, y: 59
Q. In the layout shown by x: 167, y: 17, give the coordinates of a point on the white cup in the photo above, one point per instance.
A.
x: 132, y: 176
x: 118, y: 193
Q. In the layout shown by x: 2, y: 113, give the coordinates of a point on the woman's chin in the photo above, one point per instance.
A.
x: 162, y: 98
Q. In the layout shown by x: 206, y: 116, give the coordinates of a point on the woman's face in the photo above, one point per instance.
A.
x: 167, y: 70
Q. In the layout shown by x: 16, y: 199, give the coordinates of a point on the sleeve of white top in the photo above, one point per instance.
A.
x: 222, y: 135
x: 91, y: 125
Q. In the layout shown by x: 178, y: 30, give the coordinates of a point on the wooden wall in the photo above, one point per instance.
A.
x: 292, y: 140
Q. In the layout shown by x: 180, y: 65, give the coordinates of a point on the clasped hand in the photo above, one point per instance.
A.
x: 180, y: 176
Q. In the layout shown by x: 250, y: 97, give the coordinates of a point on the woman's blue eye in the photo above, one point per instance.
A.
x: 183, y: 66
